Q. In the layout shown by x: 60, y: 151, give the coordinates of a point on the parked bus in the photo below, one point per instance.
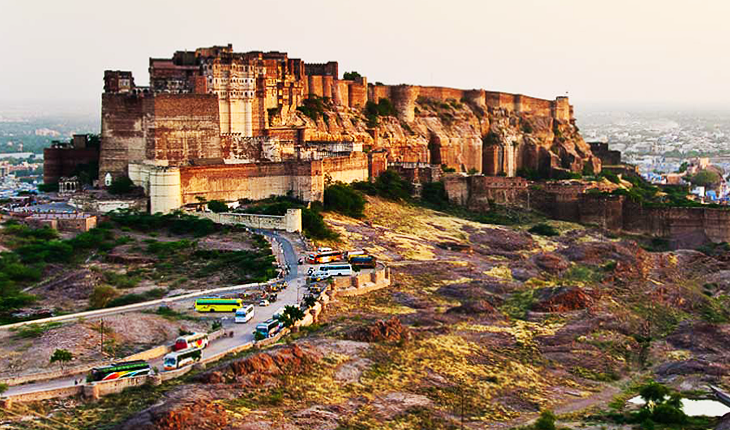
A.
x: 178, y: 359
x: 244, y: 315
x: 279, y: 312
x: 363, y: 261
x: 126, y: 369
x: 349, y: 254
x: 327, y: 270
x: 213, y: 304
x: 268, y: 328
x: 324, y: 257
x: 194, y: 340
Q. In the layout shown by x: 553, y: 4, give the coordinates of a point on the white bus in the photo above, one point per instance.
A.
x: 244, y: 314
x: 194, y: 340
x: 327, y: 270
x: 178, y: 359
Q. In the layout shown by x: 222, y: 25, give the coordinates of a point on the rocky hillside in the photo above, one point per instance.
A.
x: 461, y: 135
x: 483, y: 323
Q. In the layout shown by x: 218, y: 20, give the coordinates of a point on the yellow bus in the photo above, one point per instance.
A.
x: 218, y: 305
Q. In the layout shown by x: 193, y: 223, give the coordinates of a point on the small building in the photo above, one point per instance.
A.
x: 62, y: 221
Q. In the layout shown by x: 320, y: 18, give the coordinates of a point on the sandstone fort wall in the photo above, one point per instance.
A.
x: 183, y: 127
x: 404, y: 98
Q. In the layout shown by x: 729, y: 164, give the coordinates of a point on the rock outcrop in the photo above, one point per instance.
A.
x: 459, y: 134
x: 288, y: 360
x: 382, y: 331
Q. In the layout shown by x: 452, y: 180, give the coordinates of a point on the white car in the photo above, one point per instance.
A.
x: 264, y: 302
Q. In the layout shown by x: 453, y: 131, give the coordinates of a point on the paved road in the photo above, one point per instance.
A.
x: 242, y: 333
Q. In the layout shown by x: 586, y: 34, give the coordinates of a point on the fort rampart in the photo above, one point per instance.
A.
x: 171, y: 187
x: 477, y: 191
x: 404, y: 99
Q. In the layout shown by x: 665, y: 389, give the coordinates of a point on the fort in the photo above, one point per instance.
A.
x: 220, y: 124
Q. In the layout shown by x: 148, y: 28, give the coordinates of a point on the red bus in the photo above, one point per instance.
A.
x: 324, y: 257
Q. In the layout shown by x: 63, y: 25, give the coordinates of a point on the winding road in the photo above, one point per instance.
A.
x: 242, y: 333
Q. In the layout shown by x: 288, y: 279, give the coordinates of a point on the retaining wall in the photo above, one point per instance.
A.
x: 57, y: 393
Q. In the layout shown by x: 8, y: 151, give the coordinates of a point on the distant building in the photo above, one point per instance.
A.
x: 73, y: 222
x: 63, y: 158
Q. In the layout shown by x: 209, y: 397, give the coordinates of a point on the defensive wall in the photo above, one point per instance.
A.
x: 608, y: 157
x: 477, y: 191
x: 291, y: 222
x: 170, y: 187
x: 404, y: 99
x: 684, y: 227
x: 360, y: 284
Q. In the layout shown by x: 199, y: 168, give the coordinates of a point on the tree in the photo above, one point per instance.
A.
x: 62, y: 356
x: 344, y: 199
x: 351, y: 76
x: 291, y: 315
x: 122, y: 185
x: 310, y: 301
x: 705, y: 178
x: 683, y: 167
x: 3, y: 388
x: 546, y: 421
x: 218, y: 206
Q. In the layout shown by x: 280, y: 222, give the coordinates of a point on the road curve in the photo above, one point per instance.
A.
x: 241, y: 333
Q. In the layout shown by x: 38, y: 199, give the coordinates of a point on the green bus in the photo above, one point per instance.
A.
x: 127, y: 369
x: 212, y: 304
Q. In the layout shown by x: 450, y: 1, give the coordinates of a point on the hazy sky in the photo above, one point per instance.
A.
x: 632, y: 52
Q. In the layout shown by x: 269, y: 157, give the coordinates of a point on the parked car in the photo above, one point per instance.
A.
x: 264, y: 302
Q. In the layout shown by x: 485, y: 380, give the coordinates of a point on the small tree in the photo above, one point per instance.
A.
x: 102, y: 295
x: 309, y: 301
x: 122, y: 185
x: 218, y: 206
x: 3, y: 388
x: 61, y: 356
x: 546, y: 421
x: 291, y: 315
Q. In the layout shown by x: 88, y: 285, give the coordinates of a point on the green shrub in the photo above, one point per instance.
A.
x: 218, y: 206
x: 546, y: 421
x: 128, y: 299
x: 313, y: 107
x: 389, y: 185
x: 169, y: 249
x: 351, y: 76
x: 544, y: 230
x: 31, y: 331
x: 344, y: 199
x: 102, y: 295
x: 121, y: 185
x: 705, y: 178
x: 435, y: 194
x: 121, y: 280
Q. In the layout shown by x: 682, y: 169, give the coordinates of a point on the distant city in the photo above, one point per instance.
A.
x: 661, y: 142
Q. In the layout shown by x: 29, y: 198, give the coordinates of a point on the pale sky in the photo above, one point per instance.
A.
x: 617, y: 52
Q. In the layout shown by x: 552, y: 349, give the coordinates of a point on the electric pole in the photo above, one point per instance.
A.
x: 101, y: 332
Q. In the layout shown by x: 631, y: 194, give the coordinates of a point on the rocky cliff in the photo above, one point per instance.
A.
x: 463, y: 134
